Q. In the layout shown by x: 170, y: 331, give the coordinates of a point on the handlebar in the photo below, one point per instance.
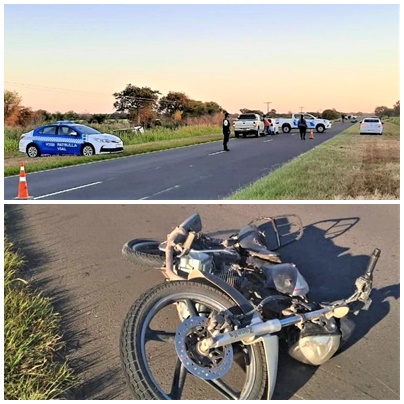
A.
x: 372, y: 264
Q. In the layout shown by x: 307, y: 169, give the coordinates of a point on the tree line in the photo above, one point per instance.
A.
x: 384, y: 111
x: 143, y: 105
x: 148, y: 107
x: 140, y: 105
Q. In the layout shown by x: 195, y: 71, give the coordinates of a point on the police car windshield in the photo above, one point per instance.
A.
x: 87, y: 130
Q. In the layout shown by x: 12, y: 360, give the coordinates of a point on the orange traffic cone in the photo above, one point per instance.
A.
x: 312, y: 134
x: 23, y: 187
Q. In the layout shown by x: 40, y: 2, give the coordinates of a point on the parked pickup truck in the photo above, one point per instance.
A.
x: 287, y: 124
x: 248, y: 124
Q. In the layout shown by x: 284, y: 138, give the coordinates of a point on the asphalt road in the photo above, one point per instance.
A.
x: 74, y: 256
x: 202, y: 172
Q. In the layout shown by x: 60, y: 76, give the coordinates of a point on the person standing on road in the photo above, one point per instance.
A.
x: 302, y: 125
x: 267, y: 124
x: 226, y: 131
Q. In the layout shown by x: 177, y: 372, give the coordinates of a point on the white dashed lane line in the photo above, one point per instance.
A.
x: 68, y: 190
x: 160, y: 192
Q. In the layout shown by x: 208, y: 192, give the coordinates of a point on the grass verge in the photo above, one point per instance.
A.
x: 349, y: 166
x: 144, y: 144
x: 33, y: 368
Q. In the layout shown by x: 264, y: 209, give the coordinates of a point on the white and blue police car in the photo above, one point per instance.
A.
x: 66, y: 137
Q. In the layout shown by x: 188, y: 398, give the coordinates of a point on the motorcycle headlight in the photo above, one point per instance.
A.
x: 315, y: 349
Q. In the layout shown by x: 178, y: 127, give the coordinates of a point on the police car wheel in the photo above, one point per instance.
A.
x: 87, y: 150
x: 33, y: 151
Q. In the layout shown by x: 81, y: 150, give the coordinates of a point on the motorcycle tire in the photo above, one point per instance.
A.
x: 144, y: 252
x: 138, y: 357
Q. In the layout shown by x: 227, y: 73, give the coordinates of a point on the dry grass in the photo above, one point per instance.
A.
x: 349, y: 166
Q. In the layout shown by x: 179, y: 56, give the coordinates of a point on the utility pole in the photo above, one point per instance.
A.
x: 301, y: 109
x: 268, y: 102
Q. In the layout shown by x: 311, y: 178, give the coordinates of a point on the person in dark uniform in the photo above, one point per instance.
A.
x: 302, y: 125
x: 226, y: 131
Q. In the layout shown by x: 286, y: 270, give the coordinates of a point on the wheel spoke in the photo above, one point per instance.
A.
x: 159, y: 335
x: 223, y: 389
x: 177, y: 386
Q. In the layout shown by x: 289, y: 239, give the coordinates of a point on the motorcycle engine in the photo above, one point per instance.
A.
x: 196, y: 260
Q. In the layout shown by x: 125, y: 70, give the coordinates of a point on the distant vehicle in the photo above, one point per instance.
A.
x: 66, y: 137
x: 354, y: 119
x: 249, y: 124
x: 371, y: 125
x: 319, y: 124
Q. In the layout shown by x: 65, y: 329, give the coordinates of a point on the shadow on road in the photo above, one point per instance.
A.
x: 331, y: 272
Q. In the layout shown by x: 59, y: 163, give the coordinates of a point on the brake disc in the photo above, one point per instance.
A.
x: 211, y: 365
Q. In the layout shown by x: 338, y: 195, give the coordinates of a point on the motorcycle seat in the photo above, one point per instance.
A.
x: 252, y: 240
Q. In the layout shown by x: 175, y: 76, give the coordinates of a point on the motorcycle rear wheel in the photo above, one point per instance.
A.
x: 144, y: 252
x: 150, y: 362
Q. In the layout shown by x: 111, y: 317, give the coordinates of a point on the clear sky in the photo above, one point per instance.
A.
x: 74, y: 57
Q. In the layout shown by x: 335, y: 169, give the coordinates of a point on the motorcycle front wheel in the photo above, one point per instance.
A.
x: 149, y: 359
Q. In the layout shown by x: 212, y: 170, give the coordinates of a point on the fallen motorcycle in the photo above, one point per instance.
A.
x: 212, y: 330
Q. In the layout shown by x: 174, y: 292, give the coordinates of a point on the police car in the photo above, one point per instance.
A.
x: 65, y: 137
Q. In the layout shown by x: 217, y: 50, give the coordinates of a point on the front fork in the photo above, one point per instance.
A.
x: 271, y: 347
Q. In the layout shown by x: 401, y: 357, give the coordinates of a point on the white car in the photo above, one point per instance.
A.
x: 65, y: 137
x: 371, y: 125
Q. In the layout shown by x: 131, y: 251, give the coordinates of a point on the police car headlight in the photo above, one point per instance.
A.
x: 102, y: 140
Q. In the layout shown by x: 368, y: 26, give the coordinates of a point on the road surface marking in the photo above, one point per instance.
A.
x: 293, y: 134
x: 160, y: 192
x: 270, y: 140
x: 68, y: 190
x: 218, y: 152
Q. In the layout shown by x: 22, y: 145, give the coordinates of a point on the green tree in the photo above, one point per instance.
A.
x: 134, y: 100
x: 43, y: 115
x: 173, y: 102
x: 383, y: 111
x: 71, y: 116
x: 272, y: 113
x: 396, y: 108
x: 58, y: 116
x: 213, y: 108
x: 11, y: 106
x: 25, y: 116
x: 98, y: 118
x: 330, y: 114
x: 195, y: 108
